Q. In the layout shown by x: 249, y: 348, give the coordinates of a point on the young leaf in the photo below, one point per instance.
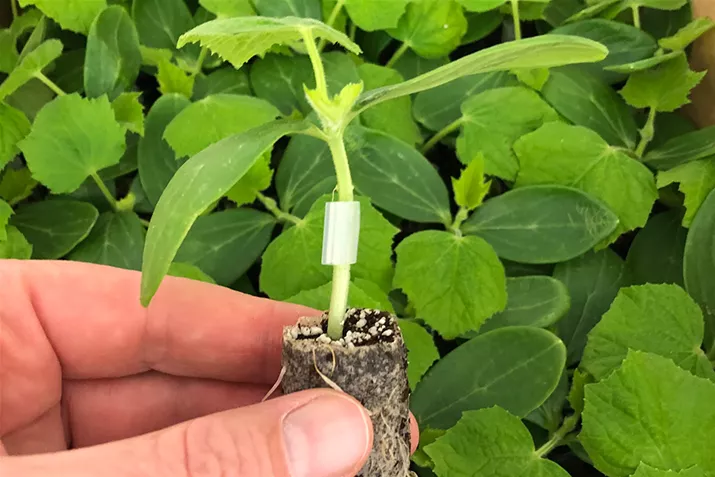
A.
x: 72, y: 138
x: 546, y: 51
x: 481, y: 25
x: 437, y: 108
x: 5, y: 213
x: 664, y: 88
x: 214, y: 118
x: 455, y: 283
x: 16, y: 185
x: 538, y: 301
x: 396, y: 118
x: 8, y: 51
x: 286, y: 8
x: 494, y: 120
x: 396, y: 177
x: 55, y: 227
x: 524, y: 358
x: 533, y: 78
x: 593, y: 281
x: 585, y: 161
x: 14, y: 126
x: 372, y: 15
x: 361, y: 294
x: 31, y: 65
x: 113, y: 58
x: 699, y: 264
x: 225, y: 80
x: 688, y: 147
x: 493, y: 441
x: 73, y: 15
x: 471, y: 187
x: 221, y: 165
x: 421, y: 351
x: 696, y: 180
x: 291, y: 263
x: 625, y: 43
x: 160, y: 23
x: 257, y: 179
x: 156, y: 159
x: 173, y: 79
x: 229, y: 8
x: 15, y: 246
x: 237, y: 40
x: 660, y: 319
x: 305, y: 173
x: 129, y: 112
x: 432, y: 28
x: 586, y: 101
x: 650, y: 411
x: 225, y: 244
x: 656, y: 254
x: 117, y: 240
x: 542, y: 224
x: 687, y: 35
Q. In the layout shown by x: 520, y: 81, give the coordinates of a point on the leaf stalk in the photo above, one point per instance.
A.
x: 318, y: 69
x: 270, y: 204
x: 558, y: 437
x: 331, y: 20
x: 647, y: 133
x: 200, y: 62
x: 516, y: 15
x: 50, y: 84
x: 13, y: 6
x: 636, y: 16
x: 443, y: 133
x: 398, y: 54
x: 105, y: 191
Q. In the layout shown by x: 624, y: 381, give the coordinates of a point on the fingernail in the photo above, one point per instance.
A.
x: 327, y: 437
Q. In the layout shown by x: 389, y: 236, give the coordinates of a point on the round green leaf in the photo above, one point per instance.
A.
x: 542, y: 224
x: 117, y: 240
x: 15, y: 246
x: 515, y: 368
x: 54, y: 227
x: 656, y: 254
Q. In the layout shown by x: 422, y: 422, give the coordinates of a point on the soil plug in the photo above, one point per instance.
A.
x: 369, y: 363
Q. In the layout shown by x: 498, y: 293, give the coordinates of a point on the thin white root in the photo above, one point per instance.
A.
x: 275, y: 386
x: 326, y: 379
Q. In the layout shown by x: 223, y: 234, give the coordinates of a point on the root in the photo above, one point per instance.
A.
x: 327, y: 380
x: 275, y: 386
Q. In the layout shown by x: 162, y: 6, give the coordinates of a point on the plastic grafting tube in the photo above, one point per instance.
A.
x: 341, y: 232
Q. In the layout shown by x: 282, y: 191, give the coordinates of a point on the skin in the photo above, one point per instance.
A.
x: 174, y: 389
x: 703, y: 58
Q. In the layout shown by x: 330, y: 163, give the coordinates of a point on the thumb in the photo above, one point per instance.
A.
x: 316, y: 433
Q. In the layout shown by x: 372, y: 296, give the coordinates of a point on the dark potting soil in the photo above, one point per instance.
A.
x: 370, y: 364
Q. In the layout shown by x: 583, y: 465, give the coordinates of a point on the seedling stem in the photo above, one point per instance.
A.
x: 105, y: 191
x: 270, y: 204
x: 443, y: 133
x: 334, y: 116
x: 331, y: 20
x: 50, y: 84
x: 647, y: 133
x: 636, y: 16
x: 398, y: 54
x: 13, y: 6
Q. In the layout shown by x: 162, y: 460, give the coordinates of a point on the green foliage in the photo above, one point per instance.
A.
x: 537, y: 213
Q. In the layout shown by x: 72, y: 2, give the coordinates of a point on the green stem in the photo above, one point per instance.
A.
x: 446, y: 131
x: 270, y: 204
x: 558, y: 437
x: 517, y: 19
x: 13, y: 6
x: 200, y: 62
x: 398, y: 54
x: 50, y: 84
x: 105, y: 191
x: 331, y: 20
x: 320, y: 84
x: 455, y: 227
x: 144, y: 222
x: 647, y: 133
x: 341, y: 273
x: 352, y: 31
x: 636, y: 16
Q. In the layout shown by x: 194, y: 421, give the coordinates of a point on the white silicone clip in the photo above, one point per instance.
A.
x: 341, y: 232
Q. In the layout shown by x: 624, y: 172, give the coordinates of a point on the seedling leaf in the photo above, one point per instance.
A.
x: 117, y: 240
x: 471, y: 187
x: 372, y: 15
x: 31, y: 65
x: 14, y: 126
x: 421, y: 350
x: 74, y: 15
x: 238, y: 39
x: 696, y: 180
x: 129, y: 112
x: 687, y: 35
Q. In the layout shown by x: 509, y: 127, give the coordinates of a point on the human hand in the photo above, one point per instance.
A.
x: 172, y: 390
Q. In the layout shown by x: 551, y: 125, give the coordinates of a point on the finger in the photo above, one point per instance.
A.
x: 98, y: 329
x: 414, y: 434
x: 113, y: 409
x: 44, y: 434
x: 318, y: 433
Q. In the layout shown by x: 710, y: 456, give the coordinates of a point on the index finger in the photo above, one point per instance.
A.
x: 93, y: 319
